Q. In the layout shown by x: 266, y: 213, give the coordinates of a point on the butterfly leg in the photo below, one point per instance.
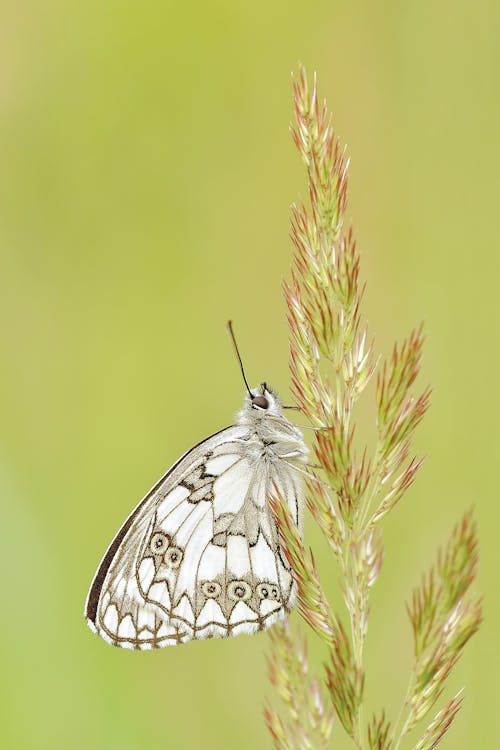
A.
x: 310, y: 476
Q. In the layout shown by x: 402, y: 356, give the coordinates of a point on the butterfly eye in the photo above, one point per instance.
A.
x: 211, y: 589
x: 261, y: 402
x: 239, y: 591
x: 159, y: 543
x: 173, y: 557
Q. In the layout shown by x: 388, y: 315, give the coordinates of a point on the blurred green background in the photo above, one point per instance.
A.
x: 146, y: 172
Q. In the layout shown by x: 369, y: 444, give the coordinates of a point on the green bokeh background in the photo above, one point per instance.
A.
x: 146, y: 172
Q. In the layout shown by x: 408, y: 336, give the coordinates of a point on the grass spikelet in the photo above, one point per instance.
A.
x: 440, y: 724
x: 379, y: 733
x: 310, y: 717
x: 312, y: 602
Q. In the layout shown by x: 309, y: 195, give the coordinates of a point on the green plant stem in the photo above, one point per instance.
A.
x: 396, y: 742
x: 356, y: 617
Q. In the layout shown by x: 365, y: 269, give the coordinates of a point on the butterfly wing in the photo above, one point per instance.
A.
x: 116, y: 606
x: 199, y: 556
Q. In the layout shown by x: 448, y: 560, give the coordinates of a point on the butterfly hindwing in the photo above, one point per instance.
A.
x: 199, y: 555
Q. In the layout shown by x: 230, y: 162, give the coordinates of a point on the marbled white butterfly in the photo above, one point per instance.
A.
x: 199, y: 556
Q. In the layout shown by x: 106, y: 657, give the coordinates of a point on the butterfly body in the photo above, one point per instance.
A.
x: 199, y: 556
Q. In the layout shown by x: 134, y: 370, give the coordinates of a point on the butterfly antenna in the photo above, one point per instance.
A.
x: 233, y: 339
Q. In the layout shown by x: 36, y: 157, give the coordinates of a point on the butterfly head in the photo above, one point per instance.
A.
x: 263, y: 412
x: 261, y: 405
x: 264, y: 400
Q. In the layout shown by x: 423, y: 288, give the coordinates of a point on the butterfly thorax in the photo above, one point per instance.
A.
x: 270, y: 434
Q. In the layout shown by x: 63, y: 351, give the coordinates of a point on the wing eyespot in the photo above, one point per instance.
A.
x: 239, y: 591
x: 267, y: 591
x: 211, y: 589
x: 159, y: 543
x: 173, y: 557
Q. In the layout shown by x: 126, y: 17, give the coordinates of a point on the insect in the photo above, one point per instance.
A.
x: 199, y: 557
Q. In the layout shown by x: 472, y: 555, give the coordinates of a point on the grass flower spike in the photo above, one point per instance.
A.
x: 332, y: 360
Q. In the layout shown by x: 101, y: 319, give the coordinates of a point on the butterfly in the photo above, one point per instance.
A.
x: 199, y: 557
